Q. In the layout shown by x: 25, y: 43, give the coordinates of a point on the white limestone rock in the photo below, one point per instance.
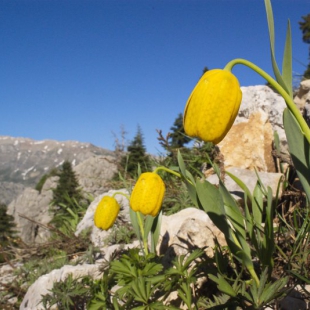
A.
x: 263, y: 98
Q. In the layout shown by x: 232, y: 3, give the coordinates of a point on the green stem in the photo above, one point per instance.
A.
x: 289, y: 101
x: 248, y: 266
x: 170, y: 171
x: 253, y: 275
x: 121, y: 193
x: 167, y: 170
x: 146, y: 251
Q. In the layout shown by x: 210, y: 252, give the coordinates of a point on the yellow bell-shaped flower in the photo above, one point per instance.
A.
x: 213, y: 105
x: 148, y: 194
x: 106, y: 212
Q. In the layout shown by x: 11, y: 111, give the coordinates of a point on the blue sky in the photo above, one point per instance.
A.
x: 79, y: 70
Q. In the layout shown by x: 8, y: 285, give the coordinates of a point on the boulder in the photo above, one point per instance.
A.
x: 263, y: 98
x: 43, y: 285
x: 302, y: 96
x: 32, y: 299
x: 248, y: 145
x: 249, y: 178
x: 186, y: 230
x: 94, y: 173
x: 31, y: 212
x: 302, y: 99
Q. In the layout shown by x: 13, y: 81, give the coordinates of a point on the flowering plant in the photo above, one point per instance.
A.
x: 209, y: 114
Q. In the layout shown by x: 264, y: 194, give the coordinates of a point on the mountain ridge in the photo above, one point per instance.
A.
x: 24, y: 161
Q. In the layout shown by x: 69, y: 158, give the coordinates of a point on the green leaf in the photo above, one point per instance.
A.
x: 194, y: 255
x: 245, y: 255
x: 223, y: 285
x: 220, y: 259
x: 300, y: 277
x: 240, y: 184
x: 135, y: 223
x: 247, y: 196
x: 299, y: 150
x: 115, y: 304
x: 149, y: 220
x: 287, y: 61
x: 123, y: 267
x: 262, y: 282
x: 185, y: 294
x: 227, y: 197
x: 185, y: 173
x: 212, y: 202
x: 254, y: 293
x: 232, y: 209
x: 155, y: 231
x: 257, y: 205
x: 141, y: 289
x: 188, y: 179
x: 152, y: 269
x: 153, y: 224
x: 274, y: 290
x: 156, y: 279
x: 269, y: 244
x: 270, y: 21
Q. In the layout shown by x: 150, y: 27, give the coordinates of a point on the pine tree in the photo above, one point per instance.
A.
x: 7, y: 233
x: 7, y: 225
x: 136, y: 155
x: 68, y: 186
x: 177, y: 137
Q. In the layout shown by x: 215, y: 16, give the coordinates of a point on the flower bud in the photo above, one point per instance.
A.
x: 213, y: 105
x: 148, y: 194
x: 106, y: 212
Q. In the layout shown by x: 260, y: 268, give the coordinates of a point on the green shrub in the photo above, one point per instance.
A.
x: 7, y: 233
x: 68, y: 186
x: 43, y: 179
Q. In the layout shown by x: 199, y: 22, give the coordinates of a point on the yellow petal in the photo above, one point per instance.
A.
x: 106, y: 212
x: 148, y: 194
x: 212, y: 106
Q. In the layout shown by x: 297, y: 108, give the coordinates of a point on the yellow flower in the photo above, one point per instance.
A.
x: 213, y: 105
x: 148, y: 194
x: 106, y: 212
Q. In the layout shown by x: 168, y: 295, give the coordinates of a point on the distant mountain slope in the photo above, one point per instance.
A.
x: 25, y: 161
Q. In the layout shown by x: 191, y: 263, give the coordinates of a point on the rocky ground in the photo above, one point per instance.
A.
x: 248, y: 146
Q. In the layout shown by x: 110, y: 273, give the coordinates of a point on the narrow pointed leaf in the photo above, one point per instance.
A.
x: 232, y: 209
x: 155, y: 231
x: 270, y: 21
x: 299, y: 149
x: 240, y: 184
x: 212, y: 202
x: 223, y: 285
x: 257, y: 205
x: 268, y: 231
x: 190, y: 186
x: 149, y: 220
x: 135, y: 223
x: 287, y: 61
